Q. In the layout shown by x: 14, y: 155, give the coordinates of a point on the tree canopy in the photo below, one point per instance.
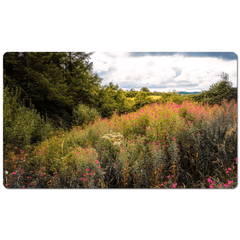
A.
x: 144, y: 89
x: 217, y: 92
x: 53, y: 82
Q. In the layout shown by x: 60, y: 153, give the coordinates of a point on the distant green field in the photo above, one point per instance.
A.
x: 131, y: 98
x: 154, y: 97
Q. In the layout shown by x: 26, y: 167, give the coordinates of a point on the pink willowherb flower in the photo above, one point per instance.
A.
x: 173, y: 186
x: 229, y: 168
x: 210, y: 186
x: 14, y: 173
x: 227, y: 171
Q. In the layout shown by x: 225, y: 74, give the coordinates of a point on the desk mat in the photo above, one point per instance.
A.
x: 157, y: 120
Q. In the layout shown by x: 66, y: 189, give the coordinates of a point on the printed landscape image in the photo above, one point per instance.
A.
x: 119, y: 120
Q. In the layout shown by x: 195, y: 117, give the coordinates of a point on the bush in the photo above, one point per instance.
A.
x: 176, y: 99
x: 218, y: 92
x: 22, y: 126
x: 142, y: 99
x: 83, y: 115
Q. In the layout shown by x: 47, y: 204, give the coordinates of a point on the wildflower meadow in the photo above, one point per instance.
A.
x: 161, y: 145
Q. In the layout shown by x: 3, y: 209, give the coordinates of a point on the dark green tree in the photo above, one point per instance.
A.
x: 144, y: 89
x: 53, y: 82
x: 106, y: 103
x: 217, y: 92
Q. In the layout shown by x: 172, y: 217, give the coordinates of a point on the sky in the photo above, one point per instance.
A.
x: 165, y: 71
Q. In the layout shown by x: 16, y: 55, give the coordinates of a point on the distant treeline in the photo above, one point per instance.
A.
x: 189, y: 92
x: 133, y: 93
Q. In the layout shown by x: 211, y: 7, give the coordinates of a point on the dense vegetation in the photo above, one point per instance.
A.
x: 62, y: 129
x: 221, y: 90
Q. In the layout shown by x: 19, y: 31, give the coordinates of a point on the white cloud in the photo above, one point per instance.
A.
x: 169, y: 72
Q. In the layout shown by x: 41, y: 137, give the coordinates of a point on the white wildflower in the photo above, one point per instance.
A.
x: 106, y: 137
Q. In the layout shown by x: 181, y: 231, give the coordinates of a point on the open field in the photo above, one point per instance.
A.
x: 156, y: 97
x: 153, y: 97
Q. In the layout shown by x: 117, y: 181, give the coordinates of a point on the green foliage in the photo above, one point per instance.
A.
x: 131, y: 94
x: 218, y: 92
x: 54, y: 82
x: 144, y: 89
x: 141, y: 99
x: 110, y: 98
x: 128, y: 104
x: 83, y: 115
x: 120, y: 101
x: 176, y: 99
x: 22, y: 126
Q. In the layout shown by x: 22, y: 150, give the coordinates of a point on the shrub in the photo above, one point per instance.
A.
x: 142, y: 99
x: 218, y: 92
x: 22, y: 126
x: 177, y: 99
x: 83, y: 115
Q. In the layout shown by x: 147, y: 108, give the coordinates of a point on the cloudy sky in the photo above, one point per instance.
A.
x: 164, y: 72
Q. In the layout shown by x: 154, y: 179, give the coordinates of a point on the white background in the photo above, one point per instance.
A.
x: 171, y: 26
